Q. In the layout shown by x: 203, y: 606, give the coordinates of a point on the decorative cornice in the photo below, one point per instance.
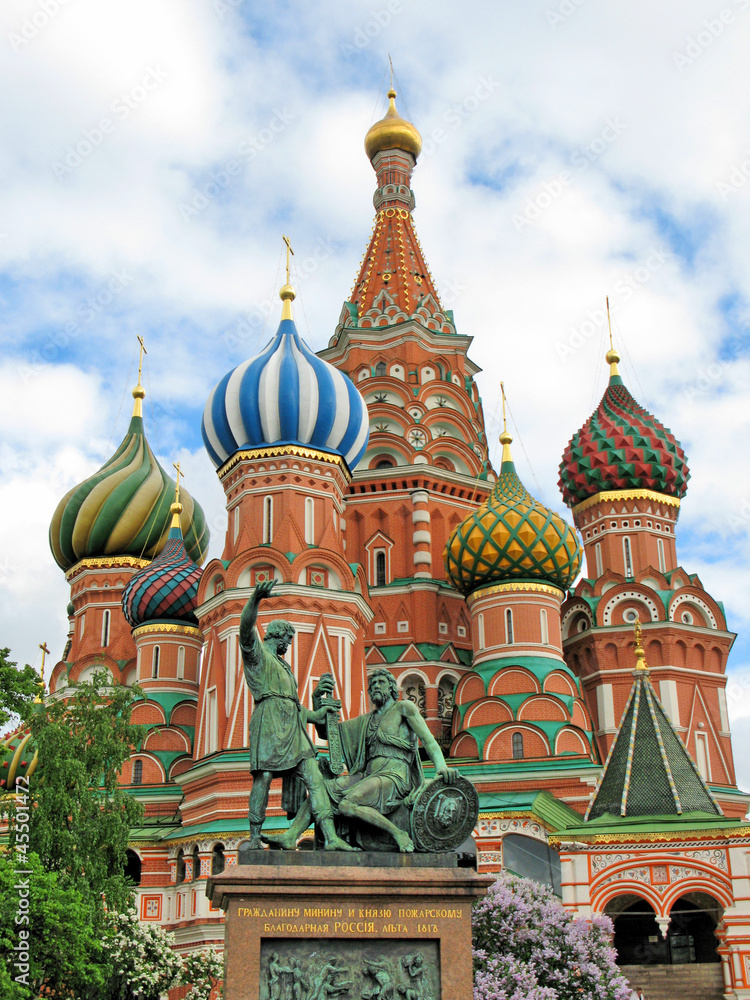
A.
x: 106, y: 562
x: 635, y: 838
x: 613, y: 495
x: 513, y: 587
x: 168, y: 627
x: 281, y: 451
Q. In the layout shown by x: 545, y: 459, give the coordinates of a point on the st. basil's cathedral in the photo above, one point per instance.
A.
x: 591, y: 716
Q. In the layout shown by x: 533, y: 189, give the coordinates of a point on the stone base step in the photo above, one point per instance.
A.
x: 677, y: 982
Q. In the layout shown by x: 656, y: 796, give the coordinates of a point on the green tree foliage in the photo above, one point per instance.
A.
x: 64, y: 954
x: 80, y: 816
x: 18, y: 688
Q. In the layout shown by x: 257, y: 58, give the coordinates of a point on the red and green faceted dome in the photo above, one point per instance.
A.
x: 19, y: 758
x: 166, y: 589
x: 511, y: 536
x: 622, y: 447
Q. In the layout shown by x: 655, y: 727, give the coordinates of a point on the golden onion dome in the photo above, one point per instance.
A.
x: 511, y: 536
x: 393, y: 132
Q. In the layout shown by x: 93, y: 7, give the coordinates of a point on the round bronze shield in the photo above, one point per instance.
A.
x: 444, y: 815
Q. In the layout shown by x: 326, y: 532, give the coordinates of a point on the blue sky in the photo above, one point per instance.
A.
x: 154, y: 154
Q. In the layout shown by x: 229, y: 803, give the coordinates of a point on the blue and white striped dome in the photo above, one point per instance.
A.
x: 286, y: 395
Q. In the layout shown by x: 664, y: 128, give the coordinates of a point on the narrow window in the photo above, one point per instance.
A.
x: 380, y: 368
x: 598, y: 556
x: 480, y: 631
x: 267, y: 520
x: 508, y: 625
x: 105, y: 628
x: 196, y: 869
x: 701, y: 752
x: 236, y: 522
x: 155, y: 663
x: 310, y: 521
x: 517, y: 746
x: 138, y: 772
x: 628, y: 557
x: 660, y: 551
x: 83, y: 624
x: 380, y: 568
x: 180, y: 663
x: 217, y: 859
x: 545, y: 629
x: 180, y: 869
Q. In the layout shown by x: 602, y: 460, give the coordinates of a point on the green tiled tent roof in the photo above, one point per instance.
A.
x: 649, y: 772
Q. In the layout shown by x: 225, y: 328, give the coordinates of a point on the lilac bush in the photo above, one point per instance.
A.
x: 528, y: 947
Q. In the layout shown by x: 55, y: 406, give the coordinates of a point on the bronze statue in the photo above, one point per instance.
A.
x: 382, y: 756
x: 277, y: 737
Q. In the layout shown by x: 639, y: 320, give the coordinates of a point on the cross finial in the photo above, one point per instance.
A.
x: 45, y: 651
x: 288, y: 251
x: 505, y: 437
x: 177, y: 484
x: 139, y: 392
x: 612, y: 356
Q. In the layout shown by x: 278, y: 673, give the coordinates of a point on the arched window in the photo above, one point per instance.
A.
x: 380, y: 568
x: 660, y: 553
x: 517, y: 746
x: 385, y: 463
x: 138, y: 772
x: 132, y: 867
x: 180, y: 663
x: 83, y: 625
x: 309, y: 520
x: 480, y: 631
x: 544, y: 627
x: 236, y: 522
x: 105, y: 627
x: 628, y: 556
x: 196, y: 863
x: 155, y: 655
x: 217, y: 859
x: 267, y: 520
x: 598, y: 556
x: 380, y: 368
x: 180, y: 874
x: 508, y: 625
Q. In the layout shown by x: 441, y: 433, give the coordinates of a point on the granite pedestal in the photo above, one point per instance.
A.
x: 309, y: 925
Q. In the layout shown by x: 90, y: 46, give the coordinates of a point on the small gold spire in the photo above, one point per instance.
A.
x: 176, y: 508
x: 139, y: 392
x: 640, y: 653
x: 505, y: 438
x: 612, y: 356
x: 39, y: 698
x: 287, y: 294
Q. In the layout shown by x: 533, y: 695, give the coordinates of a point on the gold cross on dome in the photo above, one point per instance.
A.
x: 288, y: 251
x: 177, y: 484
x: 140, y: 358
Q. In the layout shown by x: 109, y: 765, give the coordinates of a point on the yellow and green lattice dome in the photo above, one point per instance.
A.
x: 511, y: 536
